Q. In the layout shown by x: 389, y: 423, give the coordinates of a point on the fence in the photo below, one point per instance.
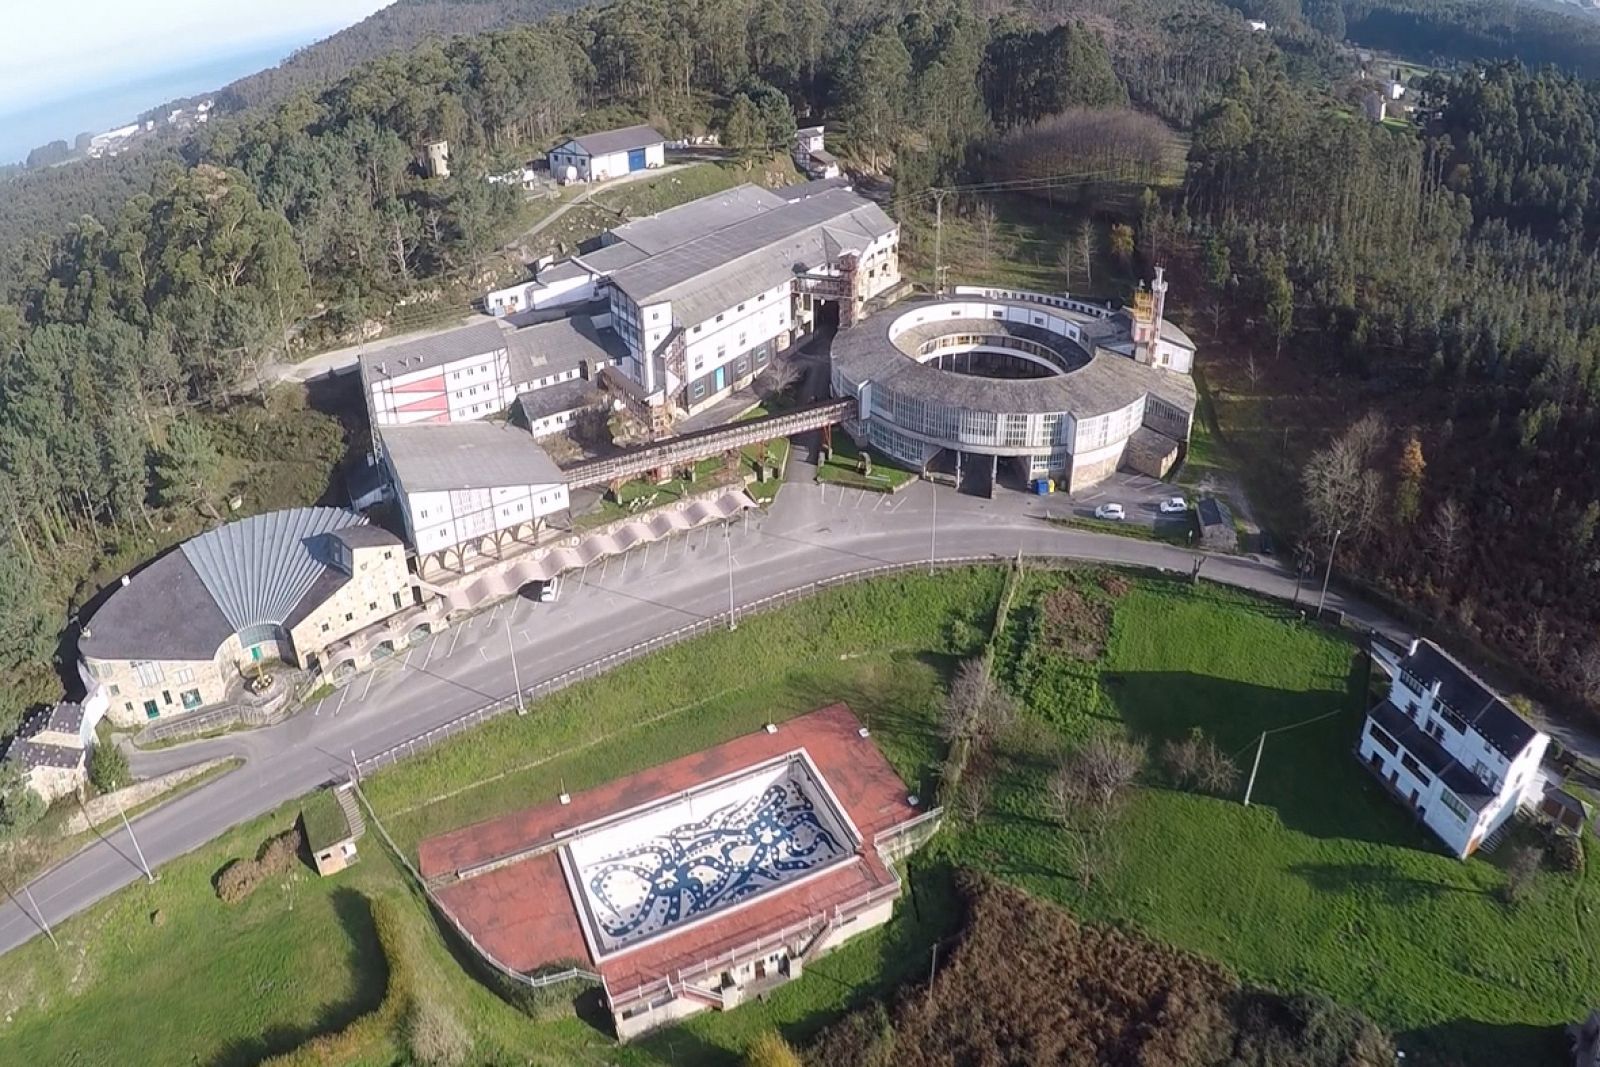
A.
x: 294, y: 688
x: 428, y: 738
x: 1082, y: 307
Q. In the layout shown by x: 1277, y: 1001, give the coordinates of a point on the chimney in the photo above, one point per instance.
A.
x: 1416, y: 643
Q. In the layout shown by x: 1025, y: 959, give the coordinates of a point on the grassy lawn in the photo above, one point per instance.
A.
x: 841, y: 468
x: 1323, y: 884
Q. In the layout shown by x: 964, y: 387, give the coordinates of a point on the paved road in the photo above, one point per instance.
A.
x: 812, y: 532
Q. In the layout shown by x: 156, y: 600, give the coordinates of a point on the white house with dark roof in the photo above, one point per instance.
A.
x: 595, y: 157
x: 1449, y: 747
x: 51, y: 748
x: 470, y: 490
x: 183, y: 632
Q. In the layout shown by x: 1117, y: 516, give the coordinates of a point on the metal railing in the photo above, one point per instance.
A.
x: 1026, y: 296
x: 703, y: 443
x: 429, y: 738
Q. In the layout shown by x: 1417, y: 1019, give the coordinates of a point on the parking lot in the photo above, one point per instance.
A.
x: 1139, y: 494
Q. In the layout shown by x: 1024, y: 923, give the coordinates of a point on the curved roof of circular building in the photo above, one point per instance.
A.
x: 188, y: 602
x: 1101, y: 383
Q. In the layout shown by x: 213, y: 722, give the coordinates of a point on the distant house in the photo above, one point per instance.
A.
x: 1451, y: 749
x: 434, y: 159
x: 814, y: 160
x: 1373, y: 106
x: 1217, y: 532
x: 51, y: 748
x: 596, y: 157
x: 1257, y: 26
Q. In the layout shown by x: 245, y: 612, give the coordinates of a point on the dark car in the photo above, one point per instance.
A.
x: 1264, y: 545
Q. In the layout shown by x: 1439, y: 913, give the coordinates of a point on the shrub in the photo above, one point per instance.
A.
x: 1196, y: 762
x: 1564, y: 853
x: 242, y: 877
x: 771, y: 1050
x: 435, y: 1036
x: 108, y: 768
x: 1521, y: 868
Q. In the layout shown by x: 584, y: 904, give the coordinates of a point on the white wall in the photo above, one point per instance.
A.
x: 1173, y: 357
x: 471, y: 388
x: 437, y: 520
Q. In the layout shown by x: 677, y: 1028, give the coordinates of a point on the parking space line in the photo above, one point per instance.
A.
x: 344, y: 694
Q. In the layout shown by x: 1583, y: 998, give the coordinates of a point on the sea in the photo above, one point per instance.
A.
x: 111, y: 106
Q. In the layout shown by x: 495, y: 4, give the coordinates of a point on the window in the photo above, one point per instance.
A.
x: 1383, y: 739
x: 166, y: 697
x: 349, y: 616
x: 719, y: 318
x: 1411, y: 682
x: 388, y: 553
x: 697, y: 391
x: 191, y: 699
x: 654, y: 315
x: 699, y: 327
x: 1415, y: 768
x: 398, y: 603
x: 149, y: 673
x: 116, y: 691
x: 326, y: 627
x: 373, y: 606
x: 760, y: 298
x: 741, y: 307
x: 151, y: 709
x: 1453, y: 802
x: 424, y: 513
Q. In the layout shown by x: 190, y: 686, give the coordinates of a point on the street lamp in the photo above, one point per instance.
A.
x: 1329, y: 573
x: 933, y: 525
x: 727, y: 536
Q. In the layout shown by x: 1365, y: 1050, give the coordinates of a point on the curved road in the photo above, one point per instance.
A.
x: 812, y: 532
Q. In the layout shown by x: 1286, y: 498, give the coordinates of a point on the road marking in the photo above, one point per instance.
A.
x: 456, y: 640
x: 605, y: 566
x: 483, y: 654
x: 344, y: 694
x: 372, y: 676
x: 433, y: 640
x: 876, y: 504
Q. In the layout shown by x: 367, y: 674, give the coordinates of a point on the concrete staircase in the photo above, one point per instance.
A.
x: 1503, y: 831
x: 352, y: 810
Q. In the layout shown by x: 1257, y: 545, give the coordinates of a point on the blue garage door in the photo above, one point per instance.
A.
x: 636, y: 159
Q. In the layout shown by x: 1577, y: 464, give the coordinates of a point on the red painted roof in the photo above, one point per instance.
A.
x: 523, y: 913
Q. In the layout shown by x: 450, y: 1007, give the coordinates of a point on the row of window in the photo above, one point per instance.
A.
x: 189, y: 698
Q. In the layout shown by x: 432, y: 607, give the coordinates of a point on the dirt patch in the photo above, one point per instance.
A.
x: 1075, y: 625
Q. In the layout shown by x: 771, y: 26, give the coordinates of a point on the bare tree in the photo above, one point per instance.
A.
x: 1096, y: 775
x: 1586, y: 672
x: 400, y: 250
x: 1340, y: 488
x: 1447, y: 535
x: 782, y: 373
x: 986, y: 219
x: 1084, y: 254
x: 1067, y: 257
x: 976, y: 709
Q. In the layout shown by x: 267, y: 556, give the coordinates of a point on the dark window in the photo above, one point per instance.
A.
x: 1415, y: 768
x: 166, y: 697
x: 1383, y: 739
x: 151, y: 709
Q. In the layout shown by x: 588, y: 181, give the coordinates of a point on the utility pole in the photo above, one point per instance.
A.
x: 42, y: 920
x: 1254, y: 767
x: 126, y: 825
x: 938, y: 240
x: 1329, y: 573
x: 733, y: 619
x: 516, y: 678
x: 933, y: 525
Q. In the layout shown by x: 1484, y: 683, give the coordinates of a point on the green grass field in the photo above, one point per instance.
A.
x: 843, y: 468
x: 1323, y: 884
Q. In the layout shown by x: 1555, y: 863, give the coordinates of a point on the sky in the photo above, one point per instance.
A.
x: 56, y: 50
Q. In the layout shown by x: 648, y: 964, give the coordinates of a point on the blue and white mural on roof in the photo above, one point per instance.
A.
x: 689, y: 870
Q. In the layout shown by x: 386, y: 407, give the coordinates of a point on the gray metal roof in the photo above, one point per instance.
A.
x: 1470, y: 697
x: 258, y: 569
x: 474, y: 340
x: 811, y: 188
x: 164, y: 612
x: 1432, y: 755
x: 560, y: 346
x: 552, y: 400
x: 609, y: 141
x: 681, y: 224
x: 713, y: 272
x: 468, y: 455
x: 1103, y: 382
x: 366, y: 536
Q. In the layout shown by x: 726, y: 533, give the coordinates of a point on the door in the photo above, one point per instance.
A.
x: 255, y: 653
x: 722, y: 377
x: 636, y: 159
x: 151, y: 709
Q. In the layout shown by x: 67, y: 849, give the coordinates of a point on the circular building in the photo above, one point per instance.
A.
x: 1054, y: 387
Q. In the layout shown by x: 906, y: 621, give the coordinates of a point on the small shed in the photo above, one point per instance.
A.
x: 1217, y: 533
x: 1563, y: 809
x: 330, y: 837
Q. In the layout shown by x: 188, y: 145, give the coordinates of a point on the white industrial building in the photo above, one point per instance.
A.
x: 480, y: 370
x: 1451, y: 749
x: 596, y: 157
x: 470, y: 490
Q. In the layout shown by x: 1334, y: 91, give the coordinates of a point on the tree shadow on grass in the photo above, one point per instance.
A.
x: 1460, y: 1042
x: 366, y: 962
x: 1395, y: 889
x: 1309, y: 774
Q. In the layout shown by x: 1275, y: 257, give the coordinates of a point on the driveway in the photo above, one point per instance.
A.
x: 812, y: 532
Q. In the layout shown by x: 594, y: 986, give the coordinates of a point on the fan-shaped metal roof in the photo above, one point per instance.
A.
x: 259, y: 568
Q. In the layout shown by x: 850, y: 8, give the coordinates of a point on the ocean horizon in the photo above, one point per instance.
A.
x: 111, y: 106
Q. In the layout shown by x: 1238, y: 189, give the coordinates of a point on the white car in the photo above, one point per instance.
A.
x: 549, y: 591
x: 1110, y: 511
x: 1174, y: 505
